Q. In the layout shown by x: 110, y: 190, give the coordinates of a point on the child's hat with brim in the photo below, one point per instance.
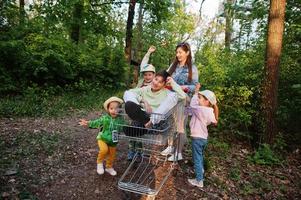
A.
x: 148, y: 68
x: 110, y: 100
x: 209, y: 95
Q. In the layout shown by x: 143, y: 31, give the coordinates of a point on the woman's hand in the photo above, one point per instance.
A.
x: 83, y: 122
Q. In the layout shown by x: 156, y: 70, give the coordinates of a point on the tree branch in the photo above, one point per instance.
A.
x: 105, y: 3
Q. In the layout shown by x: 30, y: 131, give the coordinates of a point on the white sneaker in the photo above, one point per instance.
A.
x: 194, y: 182
x: 100, y: 169
x: 175, y: 158
x: 167, y: 151
x: 111, y: 171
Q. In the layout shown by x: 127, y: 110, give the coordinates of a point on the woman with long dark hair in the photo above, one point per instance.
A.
x: 182, y: 70
x: 186, y: 75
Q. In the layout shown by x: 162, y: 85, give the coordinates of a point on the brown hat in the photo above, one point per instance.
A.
x: 111, y: 99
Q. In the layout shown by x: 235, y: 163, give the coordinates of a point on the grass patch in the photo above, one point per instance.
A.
x: 261, y: 183
x: 219, y: 148
x: 265, y: 156
x: 235, y: 174
x: 248, y: 189
x: 41, y: 103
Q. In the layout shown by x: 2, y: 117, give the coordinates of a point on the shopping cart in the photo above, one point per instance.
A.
x: 147, y: 172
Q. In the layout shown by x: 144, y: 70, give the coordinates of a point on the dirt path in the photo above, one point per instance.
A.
x: 56, y: 159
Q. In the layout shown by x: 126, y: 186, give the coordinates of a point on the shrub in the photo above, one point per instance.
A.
x: 264, y: 156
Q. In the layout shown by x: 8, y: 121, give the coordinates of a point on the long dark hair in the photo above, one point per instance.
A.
x: 185, y: 47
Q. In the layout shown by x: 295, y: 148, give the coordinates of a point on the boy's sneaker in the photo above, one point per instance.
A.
x: 167, y: 151
x: 194, y: 182
x: 100, y: 169
x: 175, y: 158
x: 111, y: 171
x: 131, y: 155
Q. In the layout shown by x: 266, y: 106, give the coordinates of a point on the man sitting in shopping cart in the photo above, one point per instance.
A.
x: 155, y: 98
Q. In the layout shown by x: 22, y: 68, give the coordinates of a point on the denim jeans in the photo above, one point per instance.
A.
x: 198, y: 146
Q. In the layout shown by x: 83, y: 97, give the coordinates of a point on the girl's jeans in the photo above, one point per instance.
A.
x: 198, y: 146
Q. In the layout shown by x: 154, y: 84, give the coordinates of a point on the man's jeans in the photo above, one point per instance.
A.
x: 198, y: 146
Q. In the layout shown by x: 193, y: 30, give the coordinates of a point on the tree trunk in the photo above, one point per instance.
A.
x: 78, y: 10
x: 21, y: 11
x: 129, y: 30
x: 273, y: 53
x: 138, y: 51
x: 228, y: 29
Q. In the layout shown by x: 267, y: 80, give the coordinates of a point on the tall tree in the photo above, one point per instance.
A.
x: 129, y: 30
x: 77, y: 15
x: 228, y: 28
x: 273, y: 53
x: 138, y: 51
x: 21, y: 11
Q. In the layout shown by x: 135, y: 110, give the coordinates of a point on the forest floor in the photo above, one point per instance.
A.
x: 56, y: 159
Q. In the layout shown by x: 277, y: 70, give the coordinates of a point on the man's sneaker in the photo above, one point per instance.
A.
x: 175, y: 158
x: 162, y: 125
x: 100, y: 169
x: 111, y: 171
x: 167, y: 151
x: 194, y: 182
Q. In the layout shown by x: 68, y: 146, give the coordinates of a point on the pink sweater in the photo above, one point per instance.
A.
x: 202, y: 116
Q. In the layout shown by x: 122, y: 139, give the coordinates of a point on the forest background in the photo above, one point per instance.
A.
x: 62, y: 57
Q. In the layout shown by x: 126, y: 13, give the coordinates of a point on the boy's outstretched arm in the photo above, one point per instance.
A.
x: 147, y: 55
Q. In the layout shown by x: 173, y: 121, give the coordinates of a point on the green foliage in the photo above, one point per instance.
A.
x: 56, y: 62
x: 37, y: 102
x: 166, y: 33
x: 258, y: 184
x: 218, y: 147
x: 235, y: 79
x: 235, y: 174
x: 12, y: 56
x: 279, y: 144
x: 265, y: 156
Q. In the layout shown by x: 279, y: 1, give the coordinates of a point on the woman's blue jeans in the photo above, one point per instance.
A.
x: 198, y: 147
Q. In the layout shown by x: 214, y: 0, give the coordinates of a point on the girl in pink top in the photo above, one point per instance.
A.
x: 204, y: 112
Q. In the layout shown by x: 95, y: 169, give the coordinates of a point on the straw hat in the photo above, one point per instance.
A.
x: 111, y: 99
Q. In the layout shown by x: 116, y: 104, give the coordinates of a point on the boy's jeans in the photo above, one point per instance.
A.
x: 198, y: 146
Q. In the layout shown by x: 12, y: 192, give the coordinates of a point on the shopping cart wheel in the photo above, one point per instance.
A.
x: 130, y: 196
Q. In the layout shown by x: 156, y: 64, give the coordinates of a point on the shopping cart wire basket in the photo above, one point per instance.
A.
x: 147, y: 173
